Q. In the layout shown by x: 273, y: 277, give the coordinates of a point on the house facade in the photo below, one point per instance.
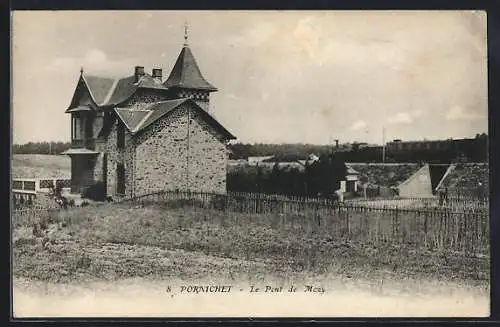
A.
x: 141, y: 134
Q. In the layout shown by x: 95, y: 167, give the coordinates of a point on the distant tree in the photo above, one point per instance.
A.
x: 41, y: 148
x: 325, y: 175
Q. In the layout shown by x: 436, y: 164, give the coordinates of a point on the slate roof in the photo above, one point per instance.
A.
x: 139, y: 120
x: 159, y: 110
x: 107, y: 91
x: 124, y: 88
x: 187, y: 74
x: 132, y: 117
x: 98, y: 86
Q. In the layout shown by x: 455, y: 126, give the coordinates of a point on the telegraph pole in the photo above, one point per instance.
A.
x: 383, y: 144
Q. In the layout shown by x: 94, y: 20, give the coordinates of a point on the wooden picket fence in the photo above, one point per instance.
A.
x: 28, y: 215
x: 465, y: 230
x: 472, y: 204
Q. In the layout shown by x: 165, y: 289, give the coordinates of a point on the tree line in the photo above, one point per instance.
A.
x: 41, y: 148
x: 319, y: 178
x: 474, y: 150
x: 463, y: 150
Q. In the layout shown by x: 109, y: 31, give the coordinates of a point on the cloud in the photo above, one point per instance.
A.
x: 417, y: 113
x: 95, y: 57
x: 254, y: 36
x: 458, y: 113
x: 94, y: 60
x: 405, y: 117
x: 401, y: 118
x: 307, y: 36
x: 359, y: 125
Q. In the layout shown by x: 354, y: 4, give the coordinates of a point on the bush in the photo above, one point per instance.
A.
x: 96, y: 192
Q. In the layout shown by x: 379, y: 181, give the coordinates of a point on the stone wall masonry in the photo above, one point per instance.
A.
x: 119, y: 156
x: 129, y: 164
x: 161, y: 155
x: 207, y: 157
x: 144, y: 97
x: 162, y: 161
x: 158, y: 158
x: 112, y: 161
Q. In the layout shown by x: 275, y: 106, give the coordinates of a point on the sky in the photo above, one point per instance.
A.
x: 283, y: 76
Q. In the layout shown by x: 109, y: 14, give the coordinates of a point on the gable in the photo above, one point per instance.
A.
x: 175, y: 127
x: 132, y: 118
x: 139, y: 121
x: 99, y: 87
x: 81, y: 97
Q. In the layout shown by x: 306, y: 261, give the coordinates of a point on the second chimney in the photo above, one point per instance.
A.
x: 157, y: 74
x: 139, y: 72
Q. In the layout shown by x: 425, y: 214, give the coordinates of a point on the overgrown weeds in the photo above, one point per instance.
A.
x: 249, y: 238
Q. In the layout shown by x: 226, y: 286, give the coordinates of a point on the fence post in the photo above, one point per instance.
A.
x: 377, y: 234
x: 347, y: 223
x: 466, y: 232
x: 425, y: 230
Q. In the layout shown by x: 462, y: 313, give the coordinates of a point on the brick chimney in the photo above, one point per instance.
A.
x: 336, y: 144
x: 157, y: 74
x: 138, y: 73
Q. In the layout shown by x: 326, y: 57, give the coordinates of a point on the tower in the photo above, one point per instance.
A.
x: 186, y: 80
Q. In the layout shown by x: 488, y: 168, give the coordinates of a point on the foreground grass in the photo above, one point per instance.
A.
x: 112, y: 242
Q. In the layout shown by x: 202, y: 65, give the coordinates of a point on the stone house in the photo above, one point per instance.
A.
x: 140, y: 134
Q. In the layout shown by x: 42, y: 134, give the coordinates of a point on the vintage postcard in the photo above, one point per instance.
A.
x: 250, y: 164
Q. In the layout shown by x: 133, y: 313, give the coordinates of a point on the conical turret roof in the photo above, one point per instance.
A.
x: 187, y: 74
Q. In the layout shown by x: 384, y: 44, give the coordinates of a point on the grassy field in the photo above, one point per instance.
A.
x: 40, y: 165
x: 115, y: 242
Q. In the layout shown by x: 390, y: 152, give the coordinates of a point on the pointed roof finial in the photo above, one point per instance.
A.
x: 81, y: 70
x: 185, y: 33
